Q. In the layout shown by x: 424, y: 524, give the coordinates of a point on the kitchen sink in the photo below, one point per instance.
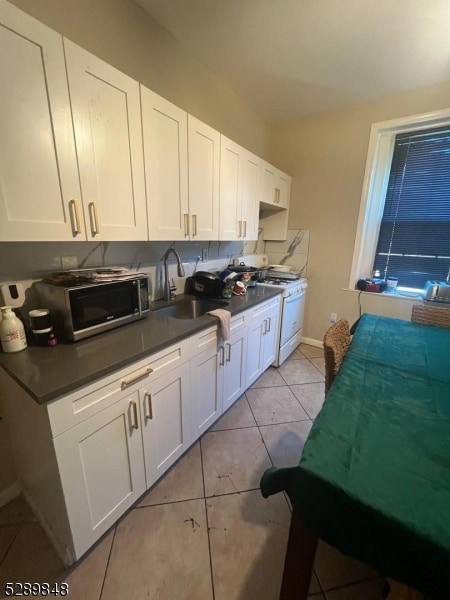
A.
x: 190, y: 309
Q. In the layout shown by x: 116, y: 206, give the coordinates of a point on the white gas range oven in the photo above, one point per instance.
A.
x: 293, y: 305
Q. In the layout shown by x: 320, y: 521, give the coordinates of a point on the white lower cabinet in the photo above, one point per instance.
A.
x: 234, y: 367
x: 206, y: 390
x: 101, y: 466
x: 98, y: 449
x: 270, y: 335
x: 165, y: 418
x: 262, y: 339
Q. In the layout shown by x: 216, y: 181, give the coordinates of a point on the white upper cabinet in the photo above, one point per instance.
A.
x: 240, y: 172
x: 250, y: 195
x: 87, y: 153
x: 230, y: 224
x: 164, y: 127
x: 275, y: 186
x: 204, y: 165
x: 182, y: 172
x: 275, y: 198
x: 107, y: 123
x: 39, y: 187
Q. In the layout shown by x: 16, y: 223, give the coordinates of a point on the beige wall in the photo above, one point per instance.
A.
x: 326, y: 155
x: 122, y: 33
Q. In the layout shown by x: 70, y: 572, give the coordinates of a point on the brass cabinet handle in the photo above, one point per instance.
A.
x: 94, y: 218
x: 229, y: 353
x: 194, y: 225
x: 186, y: 225
x: 135, y: 415
x: 278, y: 195
x: 149, y: 405
x: 245, y: 229
x: 127, y: 382
x: 74, y: 217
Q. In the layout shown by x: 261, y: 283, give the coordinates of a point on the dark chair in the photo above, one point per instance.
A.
x: 335, y: 344
x: 431, y: 315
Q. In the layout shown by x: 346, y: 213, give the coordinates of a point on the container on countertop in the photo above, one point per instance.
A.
x: 12, y: 331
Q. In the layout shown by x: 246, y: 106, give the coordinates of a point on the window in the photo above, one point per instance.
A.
x: 414, y: 238
x: 404, y: 224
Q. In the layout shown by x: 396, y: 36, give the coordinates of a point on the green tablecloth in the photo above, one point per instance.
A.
x: 374, y: 478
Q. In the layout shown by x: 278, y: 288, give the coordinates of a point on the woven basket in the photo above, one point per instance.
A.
x: 431, y: 315
x: 335, y: 344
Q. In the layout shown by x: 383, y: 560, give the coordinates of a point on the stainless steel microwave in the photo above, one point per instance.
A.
x: 84, y: 310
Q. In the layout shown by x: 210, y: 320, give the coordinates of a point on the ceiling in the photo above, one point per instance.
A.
x: 288, y: 58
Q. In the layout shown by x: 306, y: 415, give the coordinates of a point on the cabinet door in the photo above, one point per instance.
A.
x: 231, y: 159
x: 270, y: 336
x: 251, y: 174
x: 166, y: 426
x: 283, y: 189
x: 206, y: 390
x: 40, y: 196
x: 204, y: 164
x: 101, y: 467
x: 164, y: 127
x: 268, y: 183
x: 107, y: 124
x: 234, y: 370
x: 255, y: 353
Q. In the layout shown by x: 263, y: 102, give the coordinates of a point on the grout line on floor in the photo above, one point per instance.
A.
x: 168, y: 502
x: 262, y: 438
x: 107, y: 562
x: 263, y: 387
x: 308, y: 418
x: 207, y: 523
x: 348, y: 584
x: 230, y: 428
x: 315, y: 573
x: 11, y: 544
x: 257, y: 489
x: 310, y: 360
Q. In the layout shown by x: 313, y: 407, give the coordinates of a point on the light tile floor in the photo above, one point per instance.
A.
x: 204, y: 532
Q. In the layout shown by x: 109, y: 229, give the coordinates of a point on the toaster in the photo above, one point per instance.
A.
x: 437, y: 291
x: 204, y: 284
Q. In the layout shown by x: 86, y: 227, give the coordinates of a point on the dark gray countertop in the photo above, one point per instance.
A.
x: 48, y: 373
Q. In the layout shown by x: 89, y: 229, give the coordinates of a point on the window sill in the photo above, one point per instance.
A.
x: 397, y: 295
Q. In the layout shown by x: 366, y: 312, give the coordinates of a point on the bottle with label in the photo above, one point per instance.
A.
x: 12, y: 332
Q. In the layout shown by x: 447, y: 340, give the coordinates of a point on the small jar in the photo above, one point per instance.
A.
x: 41, y: 326
x: 391, y: 285
x: 227, y: 291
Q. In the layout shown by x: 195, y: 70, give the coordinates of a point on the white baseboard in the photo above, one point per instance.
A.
x: 312, y: 342
x: 10, y: 493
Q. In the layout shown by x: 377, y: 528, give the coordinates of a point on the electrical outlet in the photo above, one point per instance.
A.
x: 69, y: 262
x: 204, y: 254
x: 333, y: 317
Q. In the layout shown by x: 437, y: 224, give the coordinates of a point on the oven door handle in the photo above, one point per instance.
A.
x: 295, y: 297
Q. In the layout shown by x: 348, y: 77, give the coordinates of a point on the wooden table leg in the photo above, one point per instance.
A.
x: 299, y: 561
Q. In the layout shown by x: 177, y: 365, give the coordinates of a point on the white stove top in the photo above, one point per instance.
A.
x: 291, y: 283
x: 289, y: 287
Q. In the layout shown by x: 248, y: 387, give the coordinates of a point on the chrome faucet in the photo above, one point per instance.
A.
x: 168, y: 289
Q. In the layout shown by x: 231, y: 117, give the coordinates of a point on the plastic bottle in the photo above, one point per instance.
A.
x: 12, y: 332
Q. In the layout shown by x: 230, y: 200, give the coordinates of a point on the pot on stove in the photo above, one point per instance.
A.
x: 255, y: 272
